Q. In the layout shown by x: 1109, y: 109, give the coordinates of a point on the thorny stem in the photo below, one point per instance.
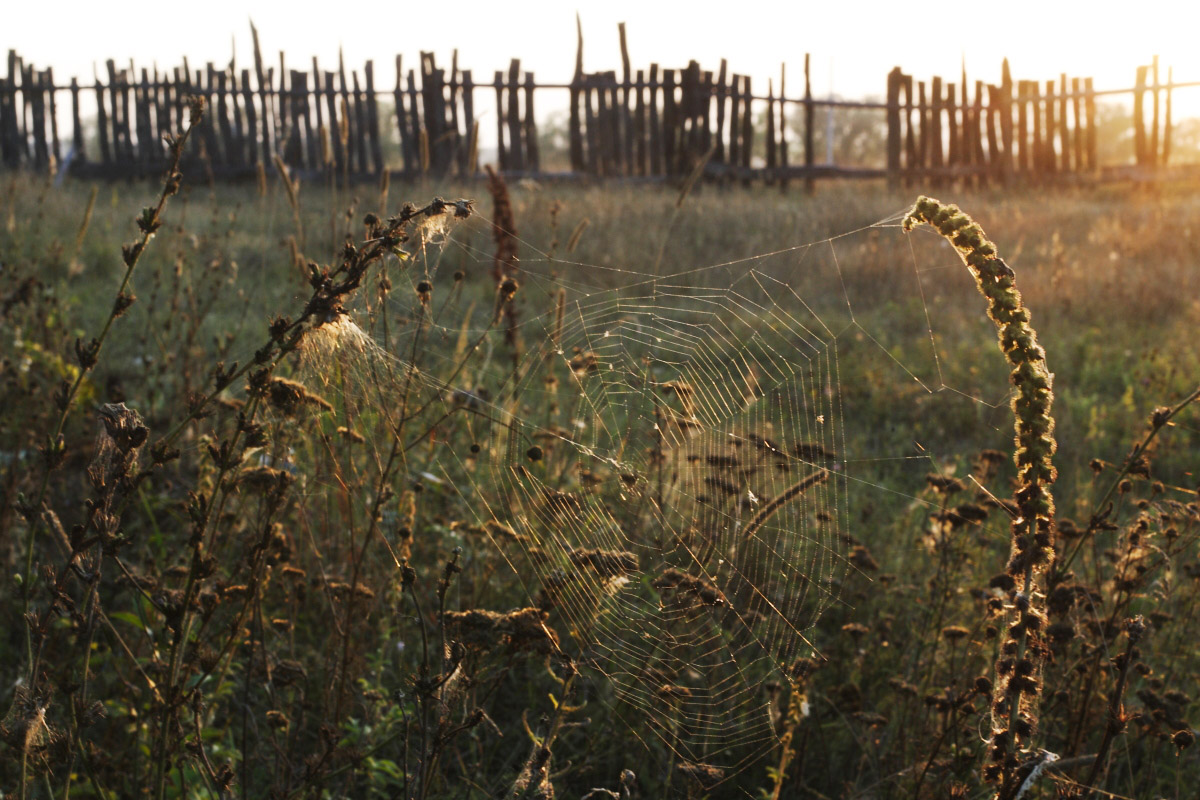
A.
x: 149, y: 222
x: 1134, y: 628
x: 381, y: 495
x: 183, y: 624
x: 1158, y: 422
x: 323, y: 305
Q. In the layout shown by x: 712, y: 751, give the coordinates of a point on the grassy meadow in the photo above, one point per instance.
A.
x: 353, y: 500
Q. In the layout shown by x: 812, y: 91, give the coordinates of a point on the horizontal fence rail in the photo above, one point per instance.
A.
x: 653, y: 123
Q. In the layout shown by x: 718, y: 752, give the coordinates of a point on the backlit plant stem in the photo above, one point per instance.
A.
x: 1019, y: 665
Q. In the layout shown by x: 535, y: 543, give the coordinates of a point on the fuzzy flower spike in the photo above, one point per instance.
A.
x: 1019, y: 665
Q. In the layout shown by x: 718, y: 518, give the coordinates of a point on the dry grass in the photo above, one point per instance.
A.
x: 268, y: 572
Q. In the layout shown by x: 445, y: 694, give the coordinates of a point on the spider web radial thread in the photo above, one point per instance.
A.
x: 666, y: 419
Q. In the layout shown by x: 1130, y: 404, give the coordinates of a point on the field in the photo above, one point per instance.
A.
x: 690, y: 494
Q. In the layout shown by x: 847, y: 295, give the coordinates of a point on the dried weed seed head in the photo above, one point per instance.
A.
x: 118, y: 445
x: 524, y: 630
x: 290, y: 397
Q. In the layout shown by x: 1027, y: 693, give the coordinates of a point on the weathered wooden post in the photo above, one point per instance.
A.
x: 1090, y: 106
x: 1004, y: 106
x: 936, y: 160
x: 783, y: 140
x: 372, y: 110
x: 264, y: 99
x: 252, y: 117
x: 1139, y: 122
x: 1153, y: 143
x: 639, y: 124
x: 1051, y: 127
x: 532, y: 154
x: 894, y: 81
x: 809, y: 184
x: 1064, y: 128
x: 1166, y: 141
x: 626, y: 122
x: 1076, y: 112
x: 575, y: 129
x: 655, y: 124
x: 469, y: 124
x: 52, y: 111
x: 76, y: 125
x: 516, y: 157
x: 502, y: 157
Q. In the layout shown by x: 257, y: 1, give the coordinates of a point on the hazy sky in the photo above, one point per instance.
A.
x: 853, y: 42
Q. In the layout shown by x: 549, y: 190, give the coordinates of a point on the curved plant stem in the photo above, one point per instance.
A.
x: 1018, y: 667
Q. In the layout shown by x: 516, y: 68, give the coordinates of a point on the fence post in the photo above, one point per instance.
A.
x: 1090, y: 106
x: 501, y: 151
x: 639, y: 124
x: 8, y: 108
x: 76, y: 126
x: 747, y: 124
x: 41, y: 153
x: 935, y: 127
x: 626, y: 126
x: 575, y: 124
x: 669, y: 138
x: 1051, y: 127
x: 372, y: 118
x: 910, y: 141
x: 979, y: 122
x: 54, y: 146
x: 1153, y: 148
x: 228, y: 144
x: 323, y: 131
x: 735, y: 115
x: 1006, y: 122
x: 1076, y: 108
x: 239, y: 129
x: 809, y: 185
x: 515, y: 150
x: 783, y: 143
x: 772, y: 162
x: 1166, y: 141
x: 604, y: 141
x: 468, y: 99
x: 414, y: 122
x: 995, y: 156
x: 893, y: 127
x: 360, y: 124
x: 168, y: 96
x: 926, y: 135
x: 533, y: 155
x: 455, y: 139
x: 614, y: 124
x: 592, y: 161
x: 264, y: 99
x: 1064, y: 128
x: 1139, y: 123
x: 953, y: 154
x: 251, y: 117
x: 655, y: 124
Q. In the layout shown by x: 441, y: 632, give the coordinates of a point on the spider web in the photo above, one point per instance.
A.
x: 676, y: 467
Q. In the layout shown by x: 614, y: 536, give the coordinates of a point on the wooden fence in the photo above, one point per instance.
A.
x: 994, y: 132
x: 654, y: 123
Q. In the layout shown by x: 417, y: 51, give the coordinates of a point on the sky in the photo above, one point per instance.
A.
x: 853, y: 43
